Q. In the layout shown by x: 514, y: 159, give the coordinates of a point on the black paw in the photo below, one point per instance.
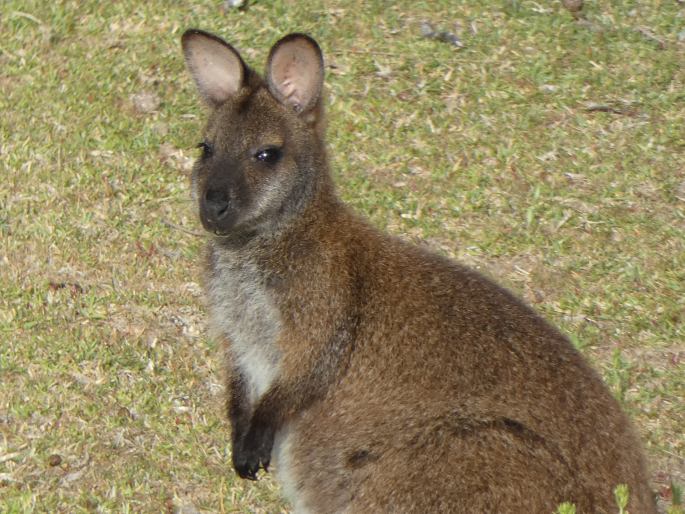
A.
x: 253, y: 451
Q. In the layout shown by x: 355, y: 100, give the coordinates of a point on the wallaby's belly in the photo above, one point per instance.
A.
x: 242, y: 311
x: 340, y: 457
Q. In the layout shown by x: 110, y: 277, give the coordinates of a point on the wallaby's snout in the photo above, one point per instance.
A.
x: 215, y: 207
x: 222, y: 194
x: 215, y: 210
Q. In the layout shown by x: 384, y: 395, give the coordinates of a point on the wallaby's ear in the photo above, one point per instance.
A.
x: 216, y: 66
x: 294, y: 72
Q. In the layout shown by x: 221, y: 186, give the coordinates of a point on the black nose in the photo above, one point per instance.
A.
x: 216, y: 203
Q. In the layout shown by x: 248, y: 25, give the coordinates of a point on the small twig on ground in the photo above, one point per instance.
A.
x: 596, y: 107
x: 21, y: 14
x: 675, y: 455
x: 9, y: 456
x: 182, y: 229
x: 364, y: 52
x: 647, y: 33
x: 602, y: 108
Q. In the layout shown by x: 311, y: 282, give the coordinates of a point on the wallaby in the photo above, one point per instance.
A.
x: 376, y: 375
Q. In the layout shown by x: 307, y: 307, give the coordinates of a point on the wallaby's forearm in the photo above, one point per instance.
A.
x: 294, y: 392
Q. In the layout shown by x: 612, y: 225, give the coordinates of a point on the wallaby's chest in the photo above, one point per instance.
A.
x: 243, y: 310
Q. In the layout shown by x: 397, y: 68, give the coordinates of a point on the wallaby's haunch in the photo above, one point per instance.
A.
x: 377, y: 376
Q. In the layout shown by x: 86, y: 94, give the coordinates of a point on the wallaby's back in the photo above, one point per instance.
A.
x: 456, y: 398
x: 380, y: 377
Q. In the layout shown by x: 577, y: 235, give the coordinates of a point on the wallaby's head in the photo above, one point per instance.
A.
x: 262, y: 152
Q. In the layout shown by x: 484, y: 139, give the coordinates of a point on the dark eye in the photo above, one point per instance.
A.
x: 207, y: 149
x: 269, y: 155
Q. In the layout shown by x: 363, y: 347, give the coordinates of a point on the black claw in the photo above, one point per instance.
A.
x: 252, y: 451
x: 248, y: 458
x: 246, y: 471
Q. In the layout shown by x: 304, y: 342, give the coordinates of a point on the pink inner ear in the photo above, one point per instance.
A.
x: 295, y: 74
x: 289, y: 88
x: 216, y: 68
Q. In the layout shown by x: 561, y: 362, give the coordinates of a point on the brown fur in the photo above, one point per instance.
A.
x: 390, y: 379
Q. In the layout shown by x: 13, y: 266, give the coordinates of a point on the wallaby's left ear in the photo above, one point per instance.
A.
x: 216, y: 66
x: 294, y: 72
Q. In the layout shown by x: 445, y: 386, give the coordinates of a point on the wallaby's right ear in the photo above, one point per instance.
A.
x: 216, y: 66
x: 294, y: 72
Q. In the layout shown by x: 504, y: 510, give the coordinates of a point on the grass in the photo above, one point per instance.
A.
x: 548, y: 153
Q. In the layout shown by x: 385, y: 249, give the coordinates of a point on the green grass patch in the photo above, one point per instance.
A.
x: 546, y: 152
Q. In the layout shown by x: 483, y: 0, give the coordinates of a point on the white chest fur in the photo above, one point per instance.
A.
x: 242, y: 310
